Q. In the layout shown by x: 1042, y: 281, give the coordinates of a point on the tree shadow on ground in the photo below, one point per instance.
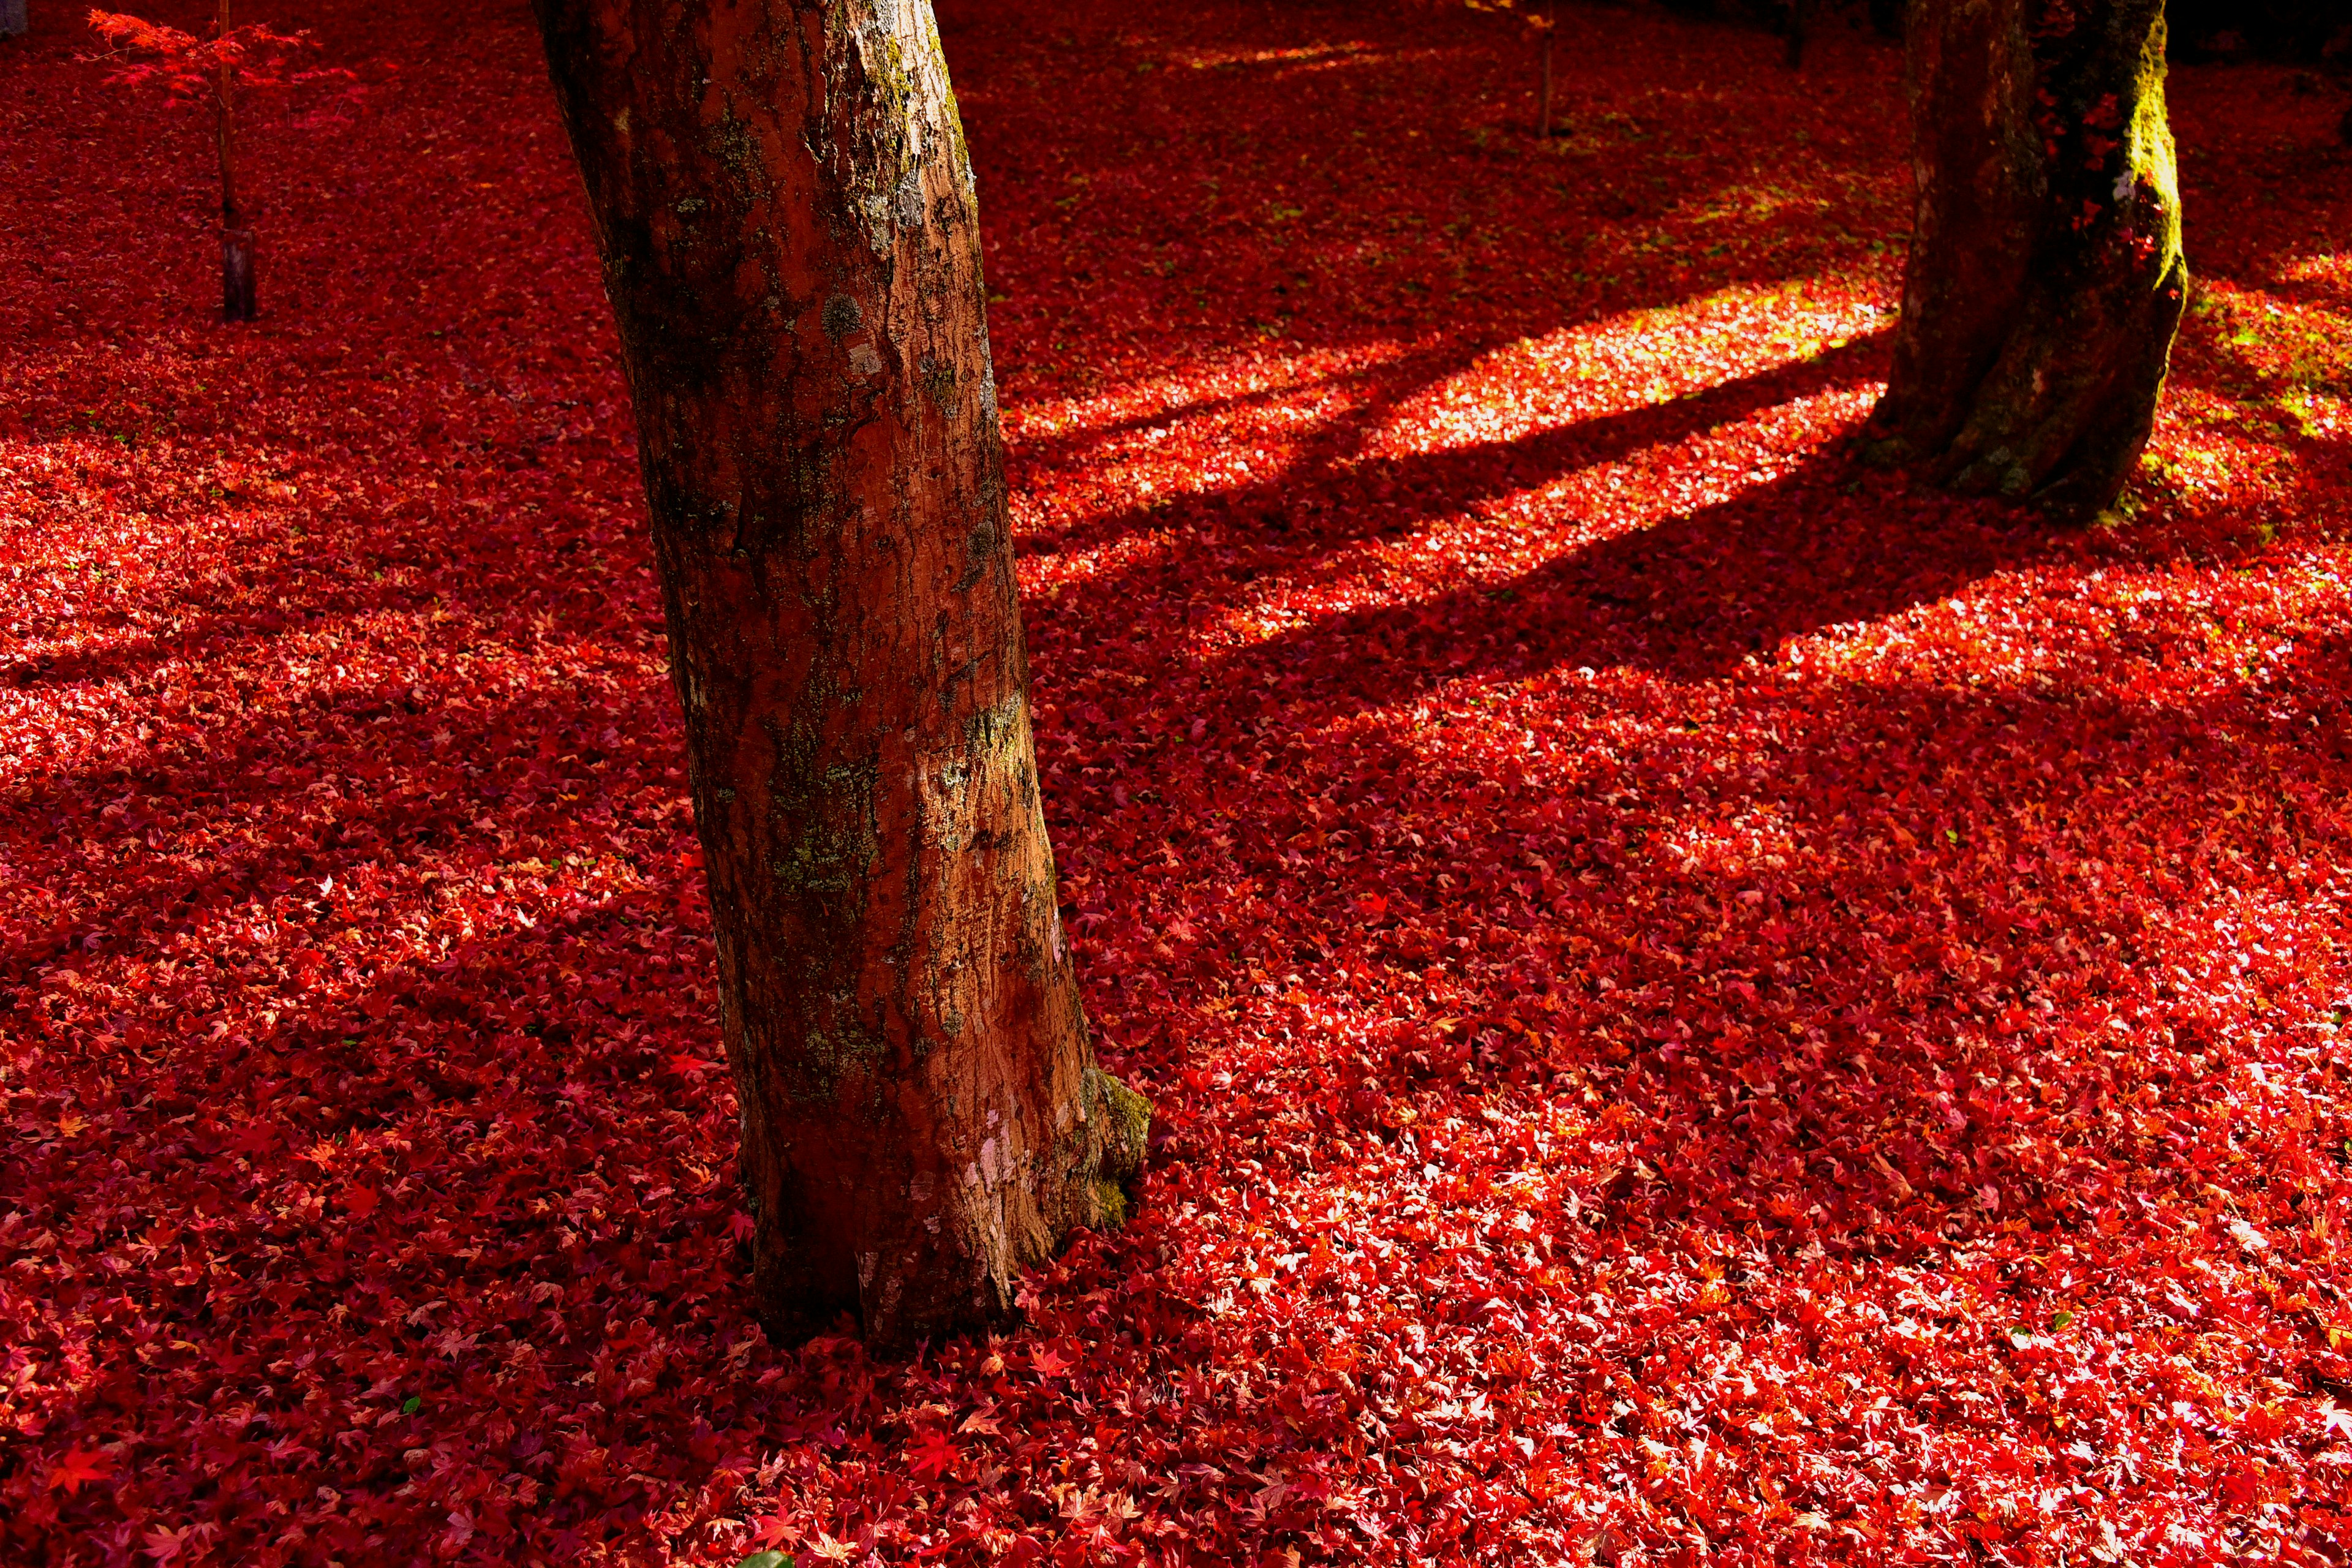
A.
x: 1333, y: 491
x: 1433, y: 225
x: 1790, y: 923
x: 1212, y: 99
x: 354, y: 1160
x: 1690, y: 597
x: 2261, y: 190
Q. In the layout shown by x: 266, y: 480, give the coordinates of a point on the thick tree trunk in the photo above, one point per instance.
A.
x: 791, y: 246
x: 13, y: 20
x: 2046, y: 277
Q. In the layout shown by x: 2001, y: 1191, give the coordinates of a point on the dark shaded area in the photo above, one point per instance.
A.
x: 1331, y: 493
x: 1336, y: 250
x: 1692, y: 597
x: 2301, y: 30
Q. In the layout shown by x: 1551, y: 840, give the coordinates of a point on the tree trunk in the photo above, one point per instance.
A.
x: 1550, y: 36
x: 13, y: 20
x: 791, y: 245
x: 237, y: 236
x: 2046, y: 276
x: 1800, y: 28
x: 236, y: 275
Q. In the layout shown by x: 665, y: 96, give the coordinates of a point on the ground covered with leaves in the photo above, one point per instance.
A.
x: 1702, y: 1007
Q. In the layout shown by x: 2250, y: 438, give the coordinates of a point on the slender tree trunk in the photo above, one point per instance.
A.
x: 1551, y: 32
x: 1801, y: 26
x: 792, y: 247
x: 2046, y: 277
x: 236, y: 238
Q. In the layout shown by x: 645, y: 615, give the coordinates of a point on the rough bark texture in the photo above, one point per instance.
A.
x: 790, y: 244
x: 13, y: 20
x: 2046, y: 276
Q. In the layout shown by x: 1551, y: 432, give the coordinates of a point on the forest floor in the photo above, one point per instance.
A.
x: 1702, y: 1006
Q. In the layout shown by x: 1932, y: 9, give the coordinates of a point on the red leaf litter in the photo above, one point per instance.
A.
x: 1702, y: 1007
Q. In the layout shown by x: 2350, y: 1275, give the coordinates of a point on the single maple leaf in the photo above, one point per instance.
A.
x: 164, y: 1545
x: 1048, y: 1361
x: 79, y: 1466
x: 933, y: 1455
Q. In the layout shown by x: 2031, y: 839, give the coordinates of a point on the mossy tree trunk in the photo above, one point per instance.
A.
x: 790, y: 246
x: 2046, y: 277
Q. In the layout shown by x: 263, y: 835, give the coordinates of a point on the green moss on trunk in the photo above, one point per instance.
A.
x: 2046, y: 277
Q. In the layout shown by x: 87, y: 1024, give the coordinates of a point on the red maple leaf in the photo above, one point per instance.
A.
x: 933, y: 1455
x: 80, y: 1464
x: 187, y: 66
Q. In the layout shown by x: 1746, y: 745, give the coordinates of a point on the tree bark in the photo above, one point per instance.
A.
x: 791, y: 245
x: 13, y: 20
x: 2046, y: 276
x: 237, y: 285
x: 1550, y: 36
